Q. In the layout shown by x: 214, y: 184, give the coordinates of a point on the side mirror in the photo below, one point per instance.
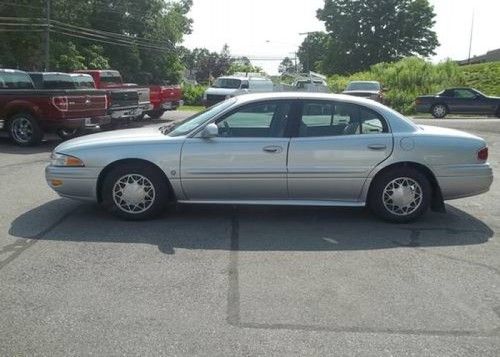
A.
x: 245, y: 86
x: 210, y: 131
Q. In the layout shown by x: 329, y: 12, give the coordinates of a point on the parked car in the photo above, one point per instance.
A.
x: 458, y: 101
x: 125, y: 101
x: 26, y: 112
x: 365, y: 89
x: 276, y: 149
x: 230, y: 86
x: 164, y: 98
x: 59, y: 80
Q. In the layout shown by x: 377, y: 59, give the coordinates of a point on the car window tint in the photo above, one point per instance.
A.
x: 267, y: 119
x: 335, y: 119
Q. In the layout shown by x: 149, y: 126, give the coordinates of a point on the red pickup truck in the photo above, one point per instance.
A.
x: 164, y: 98
x: 120, y: 93
x: 26, y: 112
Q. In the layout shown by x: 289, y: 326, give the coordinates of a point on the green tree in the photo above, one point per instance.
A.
x: 312, y: 51
x: 363, y: 33
x: 243, y: 65
x: 286, y: 66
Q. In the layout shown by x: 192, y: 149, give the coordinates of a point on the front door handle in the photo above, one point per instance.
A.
x: 272, y: 149
x: 377, y: 147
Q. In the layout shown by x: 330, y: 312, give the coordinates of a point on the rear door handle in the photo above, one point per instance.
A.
x: 377, y: 147
x: 272, y: 149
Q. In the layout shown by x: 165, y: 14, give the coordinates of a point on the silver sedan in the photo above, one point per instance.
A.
x: 276, y: 149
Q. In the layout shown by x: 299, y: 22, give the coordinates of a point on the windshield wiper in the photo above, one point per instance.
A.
x: 165, y: 129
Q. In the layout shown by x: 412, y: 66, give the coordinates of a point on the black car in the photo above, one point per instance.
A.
x: 458, y: 101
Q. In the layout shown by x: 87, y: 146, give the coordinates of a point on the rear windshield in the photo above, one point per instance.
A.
x: 83, y: 82
x: 230, y: 83
x: 15, y: 80
x: 58, y: 81
x: 363, y: 86
x: 111, y: 78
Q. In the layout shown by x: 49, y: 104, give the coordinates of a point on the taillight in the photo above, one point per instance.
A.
x: 482, y: 154
x: 61, y: 103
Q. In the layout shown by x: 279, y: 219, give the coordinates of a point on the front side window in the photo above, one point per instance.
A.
x: 267, y: 119
x: 323, y: 118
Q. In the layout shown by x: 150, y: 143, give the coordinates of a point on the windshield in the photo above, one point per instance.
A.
x: 230, y: 83
x: 110, y: 78
x: 364, y: 86
x: 186, y: 126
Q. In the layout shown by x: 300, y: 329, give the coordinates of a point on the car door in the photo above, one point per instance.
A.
x: 336, y: 146
x: 246, y: 161
x: 469, y: 101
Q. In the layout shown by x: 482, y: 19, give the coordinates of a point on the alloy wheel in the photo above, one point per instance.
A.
x: 133, y: 193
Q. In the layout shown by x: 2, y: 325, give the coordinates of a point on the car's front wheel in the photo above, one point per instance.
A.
x: 400, y: 195
x: 439, y: 111
x: 135, y: 191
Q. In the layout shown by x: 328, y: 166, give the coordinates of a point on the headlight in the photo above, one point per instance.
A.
x: 62, y: 160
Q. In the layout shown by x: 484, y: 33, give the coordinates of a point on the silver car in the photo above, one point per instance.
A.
x: 276, y: 149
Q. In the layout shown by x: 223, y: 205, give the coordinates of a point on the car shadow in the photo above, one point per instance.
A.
x: 259, y: 228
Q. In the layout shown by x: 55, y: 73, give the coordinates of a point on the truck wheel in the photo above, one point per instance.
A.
x: 156, y: 114
x: 66, y: 134
x: 400, y: 195
x: 24, y: 130
x: 439, y: 111
x: 135, y: 192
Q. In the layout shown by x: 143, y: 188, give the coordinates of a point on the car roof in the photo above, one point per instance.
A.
x: 8, y: 70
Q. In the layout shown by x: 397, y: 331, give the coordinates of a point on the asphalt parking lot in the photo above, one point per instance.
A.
x: 214, y: 280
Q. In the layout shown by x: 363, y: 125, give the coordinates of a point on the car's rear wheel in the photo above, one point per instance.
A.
x: 439, y: 111
x: 400, y: 195
x: 156, y: 114
x: 24, y: 130
x: 135, y: 192
x: 66, y: 133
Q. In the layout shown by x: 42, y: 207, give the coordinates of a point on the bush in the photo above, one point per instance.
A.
x: 193, y: 94
x: 484, y: 77
x: 407, y: 79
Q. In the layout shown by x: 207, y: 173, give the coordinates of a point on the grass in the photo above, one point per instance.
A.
x: 191, y: 108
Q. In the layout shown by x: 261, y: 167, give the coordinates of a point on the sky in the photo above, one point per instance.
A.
x: 268, y: 30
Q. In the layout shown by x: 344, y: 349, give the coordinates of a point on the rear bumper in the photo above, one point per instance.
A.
x: 469, y: 180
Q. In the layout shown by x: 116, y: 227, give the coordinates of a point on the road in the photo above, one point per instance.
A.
x: 244, y: 280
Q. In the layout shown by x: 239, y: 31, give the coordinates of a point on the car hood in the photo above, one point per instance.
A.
x: 221, y: 91
x: 117, y: 137
x: 360, y: 92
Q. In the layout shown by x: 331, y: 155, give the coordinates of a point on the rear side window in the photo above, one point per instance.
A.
x: 15, y: 80
x: 83, y: 82
x: 322, y: 118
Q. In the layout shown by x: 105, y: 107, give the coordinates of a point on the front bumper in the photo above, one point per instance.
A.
x: 74, y: 182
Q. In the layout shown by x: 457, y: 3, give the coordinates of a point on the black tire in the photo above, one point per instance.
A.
x: 378, y: 193
x: 156, y: 180
x: 24, y: 130
x: 67, y: 134
x: 156, y: 114
x: 439, y: 111
x: 140, y: 117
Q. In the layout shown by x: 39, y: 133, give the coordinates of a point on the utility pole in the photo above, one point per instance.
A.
x: 47, y: 36
x: 470, y: 40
